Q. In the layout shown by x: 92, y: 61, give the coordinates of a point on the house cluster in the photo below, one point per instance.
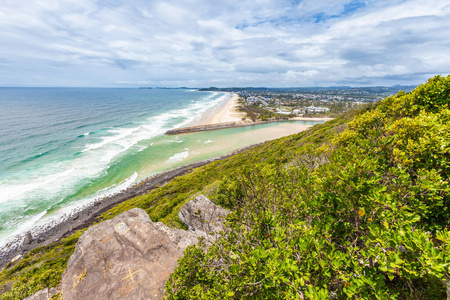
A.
x: 302, y: 110
x: 307, y: 103
x: 326, y: 97
x: 256, y: 100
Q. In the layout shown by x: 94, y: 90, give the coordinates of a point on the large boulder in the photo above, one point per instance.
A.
x: 130, y: 257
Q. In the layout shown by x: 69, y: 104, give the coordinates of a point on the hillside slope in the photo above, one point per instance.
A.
x: 363, y: 217
x: 355, y: 207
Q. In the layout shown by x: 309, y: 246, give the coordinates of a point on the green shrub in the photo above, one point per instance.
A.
x: 363, y: 217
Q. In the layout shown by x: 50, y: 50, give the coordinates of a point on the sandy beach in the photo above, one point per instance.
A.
x: 228, y: 113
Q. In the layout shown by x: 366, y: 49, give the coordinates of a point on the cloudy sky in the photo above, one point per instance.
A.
x: 128, y: 43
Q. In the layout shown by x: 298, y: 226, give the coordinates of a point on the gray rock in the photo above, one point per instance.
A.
x: 202, y: 216
x: 44, y: 294
x: 41, y: 295
x: 131, y: 257
x: 28, y: 238
x: 128, y: 257
x: 26, y: 245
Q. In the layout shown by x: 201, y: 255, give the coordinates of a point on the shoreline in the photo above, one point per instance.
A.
x: 229, y: 117
x: 85, y: 216
x: 227, y: 113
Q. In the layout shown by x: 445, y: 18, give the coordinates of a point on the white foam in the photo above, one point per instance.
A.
x: 96, y: 157
x: 15, y: 190
x: 30, y: 223
x: 116, y: 188
x: 117, y: 134
x: 179, y: 156
x: 205, y: 142
x: 39, y: 224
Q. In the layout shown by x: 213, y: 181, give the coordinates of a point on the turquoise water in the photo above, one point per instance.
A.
x: 64, y: 147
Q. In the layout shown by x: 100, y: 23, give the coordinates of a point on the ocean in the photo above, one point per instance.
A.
x: 61, y: 148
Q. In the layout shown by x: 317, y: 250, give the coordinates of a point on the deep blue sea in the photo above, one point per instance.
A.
x: 61, y: 147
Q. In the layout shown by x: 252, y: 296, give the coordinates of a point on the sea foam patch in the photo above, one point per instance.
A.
x: 179, y: 156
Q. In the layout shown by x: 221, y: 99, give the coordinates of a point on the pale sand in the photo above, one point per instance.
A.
x: 228, y: 113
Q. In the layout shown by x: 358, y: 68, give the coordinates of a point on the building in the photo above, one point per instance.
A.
x: 313, y: 109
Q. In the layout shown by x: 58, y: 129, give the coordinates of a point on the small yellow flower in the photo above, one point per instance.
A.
x: 361, y: 212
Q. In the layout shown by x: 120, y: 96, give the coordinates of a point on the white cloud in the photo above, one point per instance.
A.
x: 228, y: 43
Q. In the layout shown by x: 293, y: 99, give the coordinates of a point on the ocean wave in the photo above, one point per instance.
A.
x: 29, y: 223
x: 179, y: 156
x: 38, y: 223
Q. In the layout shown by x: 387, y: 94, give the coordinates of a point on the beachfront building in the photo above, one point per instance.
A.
x: 253, y: 100
x: 314, y: 109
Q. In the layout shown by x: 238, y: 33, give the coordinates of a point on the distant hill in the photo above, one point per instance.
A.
x: 375, y: 90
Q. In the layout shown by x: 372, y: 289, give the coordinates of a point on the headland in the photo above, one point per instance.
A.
x: 229, y: 116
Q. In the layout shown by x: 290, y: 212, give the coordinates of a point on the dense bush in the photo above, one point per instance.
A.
x: 363, y: 217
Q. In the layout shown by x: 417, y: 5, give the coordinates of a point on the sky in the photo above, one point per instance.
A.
x: 222, y: 43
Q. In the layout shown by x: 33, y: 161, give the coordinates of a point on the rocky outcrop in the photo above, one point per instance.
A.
x: 202, y: 217
x: 225, y: 125
x: 131, y: 257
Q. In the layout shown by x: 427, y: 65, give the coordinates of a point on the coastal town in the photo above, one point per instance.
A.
x: 307, y: 102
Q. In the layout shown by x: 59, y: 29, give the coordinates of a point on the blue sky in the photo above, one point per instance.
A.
x: 196, y: 43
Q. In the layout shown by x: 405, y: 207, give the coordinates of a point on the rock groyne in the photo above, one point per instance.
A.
x: 209, y: 127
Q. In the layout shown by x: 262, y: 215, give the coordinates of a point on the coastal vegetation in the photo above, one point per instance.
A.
x: 357, y: 207
x: 358, y: 214
x: 256, y: 113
